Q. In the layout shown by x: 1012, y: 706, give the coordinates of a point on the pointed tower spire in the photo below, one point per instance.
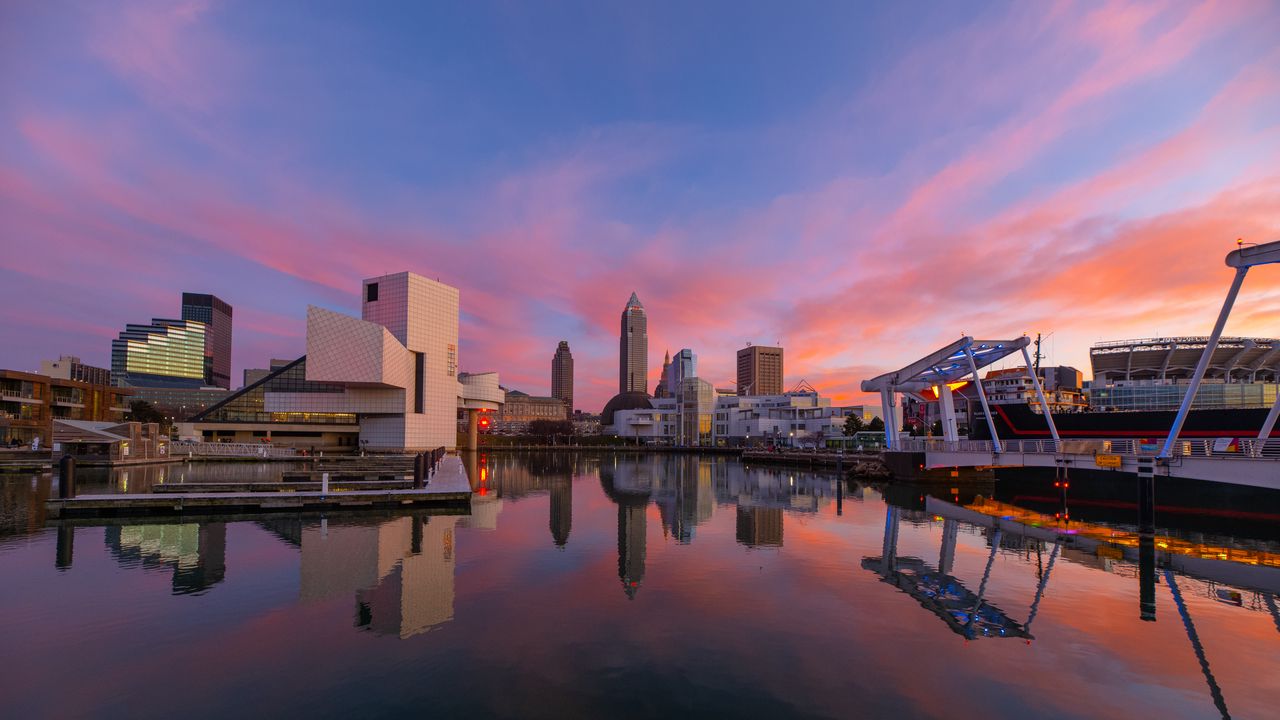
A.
x: 634, y: 301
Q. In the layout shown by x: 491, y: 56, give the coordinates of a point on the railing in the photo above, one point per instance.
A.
x: 1231, y: 448
x: 231, y: 450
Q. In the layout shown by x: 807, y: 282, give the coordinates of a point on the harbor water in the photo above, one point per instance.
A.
x: 633, y: 586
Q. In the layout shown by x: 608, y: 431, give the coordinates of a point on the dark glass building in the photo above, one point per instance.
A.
x: 215, y: 313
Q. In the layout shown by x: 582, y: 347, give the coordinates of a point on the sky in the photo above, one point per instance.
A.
x: 860, y: 182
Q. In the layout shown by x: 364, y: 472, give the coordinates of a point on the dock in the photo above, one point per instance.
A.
x: 448, y: 487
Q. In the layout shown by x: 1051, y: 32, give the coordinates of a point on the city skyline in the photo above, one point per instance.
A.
x: 820, y: 183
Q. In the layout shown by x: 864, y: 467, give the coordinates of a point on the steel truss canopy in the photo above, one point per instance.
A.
x: 946, y: 365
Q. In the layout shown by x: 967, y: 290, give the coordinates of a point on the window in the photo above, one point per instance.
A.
x: 371, y: 292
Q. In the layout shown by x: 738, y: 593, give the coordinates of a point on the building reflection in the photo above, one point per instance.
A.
x: 759, y: 527
x: 628, y: 483
x: 400, y: 572
x: 196, y: 552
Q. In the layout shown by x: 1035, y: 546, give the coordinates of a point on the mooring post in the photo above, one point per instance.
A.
x: 67, y: 477
x: 1146, y: 495
x: 66, y: 546
x: 419, y: 470
x: 324, y: 484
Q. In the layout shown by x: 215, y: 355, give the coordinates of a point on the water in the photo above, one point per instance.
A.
x: 622, y: 586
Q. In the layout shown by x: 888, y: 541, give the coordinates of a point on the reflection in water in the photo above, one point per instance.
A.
x: 538, y: 592
x: 196, y: 552
x: 399, y: 572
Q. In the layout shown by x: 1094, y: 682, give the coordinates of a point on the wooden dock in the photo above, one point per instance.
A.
x: 447, y: 488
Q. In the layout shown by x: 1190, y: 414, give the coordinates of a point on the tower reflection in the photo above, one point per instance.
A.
x: 400, y: 571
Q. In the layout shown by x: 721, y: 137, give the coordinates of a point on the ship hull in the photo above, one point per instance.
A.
x: 1020, y: 422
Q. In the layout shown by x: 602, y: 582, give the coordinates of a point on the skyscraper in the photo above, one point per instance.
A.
x: 633, y: 348
x: 562, y: 375
x: 760, y: 370
x: 660, y: 390
x: 683, y: 365
x: 166, y: 353
x: 215, y: 313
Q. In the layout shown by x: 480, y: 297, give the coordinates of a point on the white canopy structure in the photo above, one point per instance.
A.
x: 942, y: 368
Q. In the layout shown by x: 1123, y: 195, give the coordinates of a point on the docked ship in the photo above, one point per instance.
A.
x: 1137, y: 387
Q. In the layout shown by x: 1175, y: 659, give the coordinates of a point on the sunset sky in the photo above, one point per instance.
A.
x: 862, y: 182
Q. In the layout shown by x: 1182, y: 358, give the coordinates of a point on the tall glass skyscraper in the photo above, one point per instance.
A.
x: 683, y: 365
x: 633, y: 348
x: 215, y: 314
x: 166, y: 353
x: 562, y: 375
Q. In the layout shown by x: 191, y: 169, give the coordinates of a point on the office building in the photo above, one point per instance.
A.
x: 69, y: 367
x: 676, y: 369
x: 166, y: 353
x: 633, y: 348
x: 660, y: 390
x: 520, y: 409
x: 216, y: 315
x: 29, y: 403
x: 797, y: 419
x: 388, y: 380
x: 562, y: 375
x: 760, y: 370
x: 253, y: 375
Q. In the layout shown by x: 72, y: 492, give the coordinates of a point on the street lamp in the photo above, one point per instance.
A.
x: 792, y: 435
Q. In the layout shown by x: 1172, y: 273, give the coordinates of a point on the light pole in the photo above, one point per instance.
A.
x: 792, y: 435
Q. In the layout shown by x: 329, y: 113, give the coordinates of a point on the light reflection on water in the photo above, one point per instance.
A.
x: 589, y: 586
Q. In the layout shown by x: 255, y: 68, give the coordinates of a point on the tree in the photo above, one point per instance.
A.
x: 853, y: 425
x: 144, y: 412
x: 547, y: 428
x: 876, y: 425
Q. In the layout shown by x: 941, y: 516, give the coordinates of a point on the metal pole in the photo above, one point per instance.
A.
x: 982, y: 395
x: 1044, y: 404
x: 1201, y: 366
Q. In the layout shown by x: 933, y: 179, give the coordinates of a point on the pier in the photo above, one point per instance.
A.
x: 448, y: 488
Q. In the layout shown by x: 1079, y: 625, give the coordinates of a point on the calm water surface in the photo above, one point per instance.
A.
x: 629, y: 586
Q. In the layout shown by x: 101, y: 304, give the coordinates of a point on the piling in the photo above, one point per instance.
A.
x: 66, y: 546
x: 324, y: 484
x: 1146, y: 495
x: 419, y: 469
x: 66, y: 477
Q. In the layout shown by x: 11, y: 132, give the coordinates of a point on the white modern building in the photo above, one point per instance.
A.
x: 699, y: 417
x: 386, y: 381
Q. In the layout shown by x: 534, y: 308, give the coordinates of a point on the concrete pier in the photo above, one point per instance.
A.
x: 448, y: 488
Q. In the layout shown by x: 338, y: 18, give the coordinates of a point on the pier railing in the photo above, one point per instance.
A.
x: 246, y: 450
x: 1226, y: 448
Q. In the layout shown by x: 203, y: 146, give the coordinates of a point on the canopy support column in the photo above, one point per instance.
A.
x: 1203, y: 365
x: 1044, y: 404
x: 946, y: 402
x: 982, y: 395
x: 890, y: 417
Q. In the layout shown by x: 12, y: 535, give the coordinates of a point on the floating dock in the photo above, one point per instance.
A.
x: 447, y: 487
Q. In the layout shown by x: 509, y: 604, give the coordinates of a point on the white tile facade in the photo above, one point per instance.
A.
x: 375, y: 359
